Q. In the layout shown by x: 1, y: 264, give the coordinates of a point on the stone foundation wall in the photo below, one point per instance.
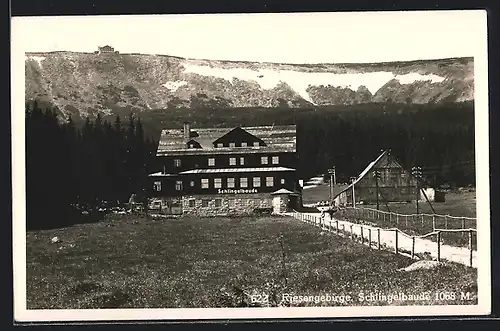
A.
x: 225, y: 205
x: 168, y: 206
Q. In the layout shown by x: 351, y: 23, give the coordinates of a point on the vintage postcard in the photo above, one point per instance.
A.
x: 250, y: 166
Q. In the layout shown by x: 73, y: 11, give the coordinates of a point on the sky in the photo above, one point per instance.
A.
x: 284, y: 38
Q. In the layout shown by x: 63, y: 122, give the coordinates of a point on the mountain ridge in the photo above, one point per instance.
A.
x: 84, y: 84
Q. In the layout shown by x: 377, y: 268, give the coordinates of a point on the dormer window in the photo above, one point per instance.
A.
x: 256, y: 144
x: 243, y: 144
x: 220, y: 145
x: 193, y: 144
x: 232, y: 144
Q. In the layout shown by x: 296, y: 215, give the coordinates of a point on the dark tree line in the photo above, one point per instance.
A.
x: 73, y: 171
x: 440, y: 141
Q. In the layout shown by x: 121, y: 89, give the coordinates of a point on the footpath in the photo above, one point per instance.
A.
x: 389, y: 239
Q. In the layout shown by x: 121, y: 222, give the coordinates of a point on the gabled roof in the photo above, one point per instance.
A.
x: 277, y: 138
x: 370, y: 167
x: 238, y: 131
x: 282, y: 191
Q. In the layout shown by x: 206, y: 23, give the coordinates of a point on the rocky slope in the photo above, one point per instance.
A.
x: 85, y: 83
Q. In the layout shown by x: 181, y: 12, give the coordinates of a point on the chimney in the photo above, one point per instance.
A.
x: 187, y: 130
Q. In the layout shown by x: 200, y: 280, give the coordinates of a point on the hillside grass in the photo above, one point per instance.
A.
x: 131, y: 262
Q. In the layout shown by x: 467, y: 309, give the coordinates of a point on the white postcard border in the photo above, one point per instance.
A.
x: 19, y: 40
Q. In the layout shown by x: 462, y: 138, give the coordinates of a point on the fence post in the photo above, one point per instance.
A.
x: 463, y: 222
x: 378, y: 239
x: 397, y: 219
x: 412, y: 247
x: 433, y: 222
x: 370, y: 237
x: 470, y: 247
x: 446, y: 221
x: 422, y: 220
x: 337, y: 227
x: 362, y: 238
x: 406, y: 220
x: 390, y: 218
x: 439, y: 246
x: 396, y: 242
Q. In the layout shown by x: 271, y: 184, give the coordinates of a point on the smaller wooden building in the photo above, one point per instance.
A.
x: 395, y: 184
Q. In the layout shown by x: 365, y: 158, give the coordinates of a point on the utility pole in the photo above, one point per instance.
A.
x: 333, y: 181
x: 353, y: 194
x: 417, y: 173
x: 377, y: 176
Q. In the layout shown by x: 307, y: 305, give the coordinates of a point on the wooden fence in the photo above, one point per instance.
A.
x: 421, y: 223
x: 398, y: 241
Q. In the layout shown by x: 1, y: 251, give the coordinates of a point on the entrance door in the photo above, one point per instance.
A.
x: 277, y: 204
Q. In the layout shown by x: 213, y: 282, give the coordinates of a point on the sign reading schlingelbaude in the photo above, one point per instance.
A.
x: 238, y: 191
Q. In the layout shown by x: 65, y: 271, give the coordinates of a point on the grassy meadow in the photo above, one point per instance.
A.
x: 131, y: 262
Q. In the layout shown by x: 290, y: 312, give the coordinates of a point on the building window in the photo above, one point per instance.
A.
x: 250, y: 203
x: 242, y: 161
x: 243, y: 144
x: 211, y: 161
x: 220, y: 145
x: 191, y: 146
x: 264, y: 160
x: 217, y: 182
x: 231, y: 203
x: 232, y: 145
x: 191, y: 183
x: 276, y: 159
x: 256, y: 144
x: 177, y: 162
x: 218, y: 202
x: 232, y: 161
x: 269, y: 181
x: 230, y: 182
x: 256, y: 182
x: 204, y: 183
x: 282, y: 180
x: 192, y: 203
x: 157, y: 186
x: 243, y: 182
x: 178, y: 185
x: 204, y: 203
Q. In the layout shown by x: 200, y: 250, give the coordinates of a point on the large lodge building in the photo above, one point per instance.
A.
x: 226, y: 171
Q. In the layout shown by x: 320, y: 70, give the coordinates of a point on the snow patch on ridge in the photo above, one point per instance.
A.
x: 300, y: 81
x: 414, y: 77
x: 173, y: 86
x: 38, y: 59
